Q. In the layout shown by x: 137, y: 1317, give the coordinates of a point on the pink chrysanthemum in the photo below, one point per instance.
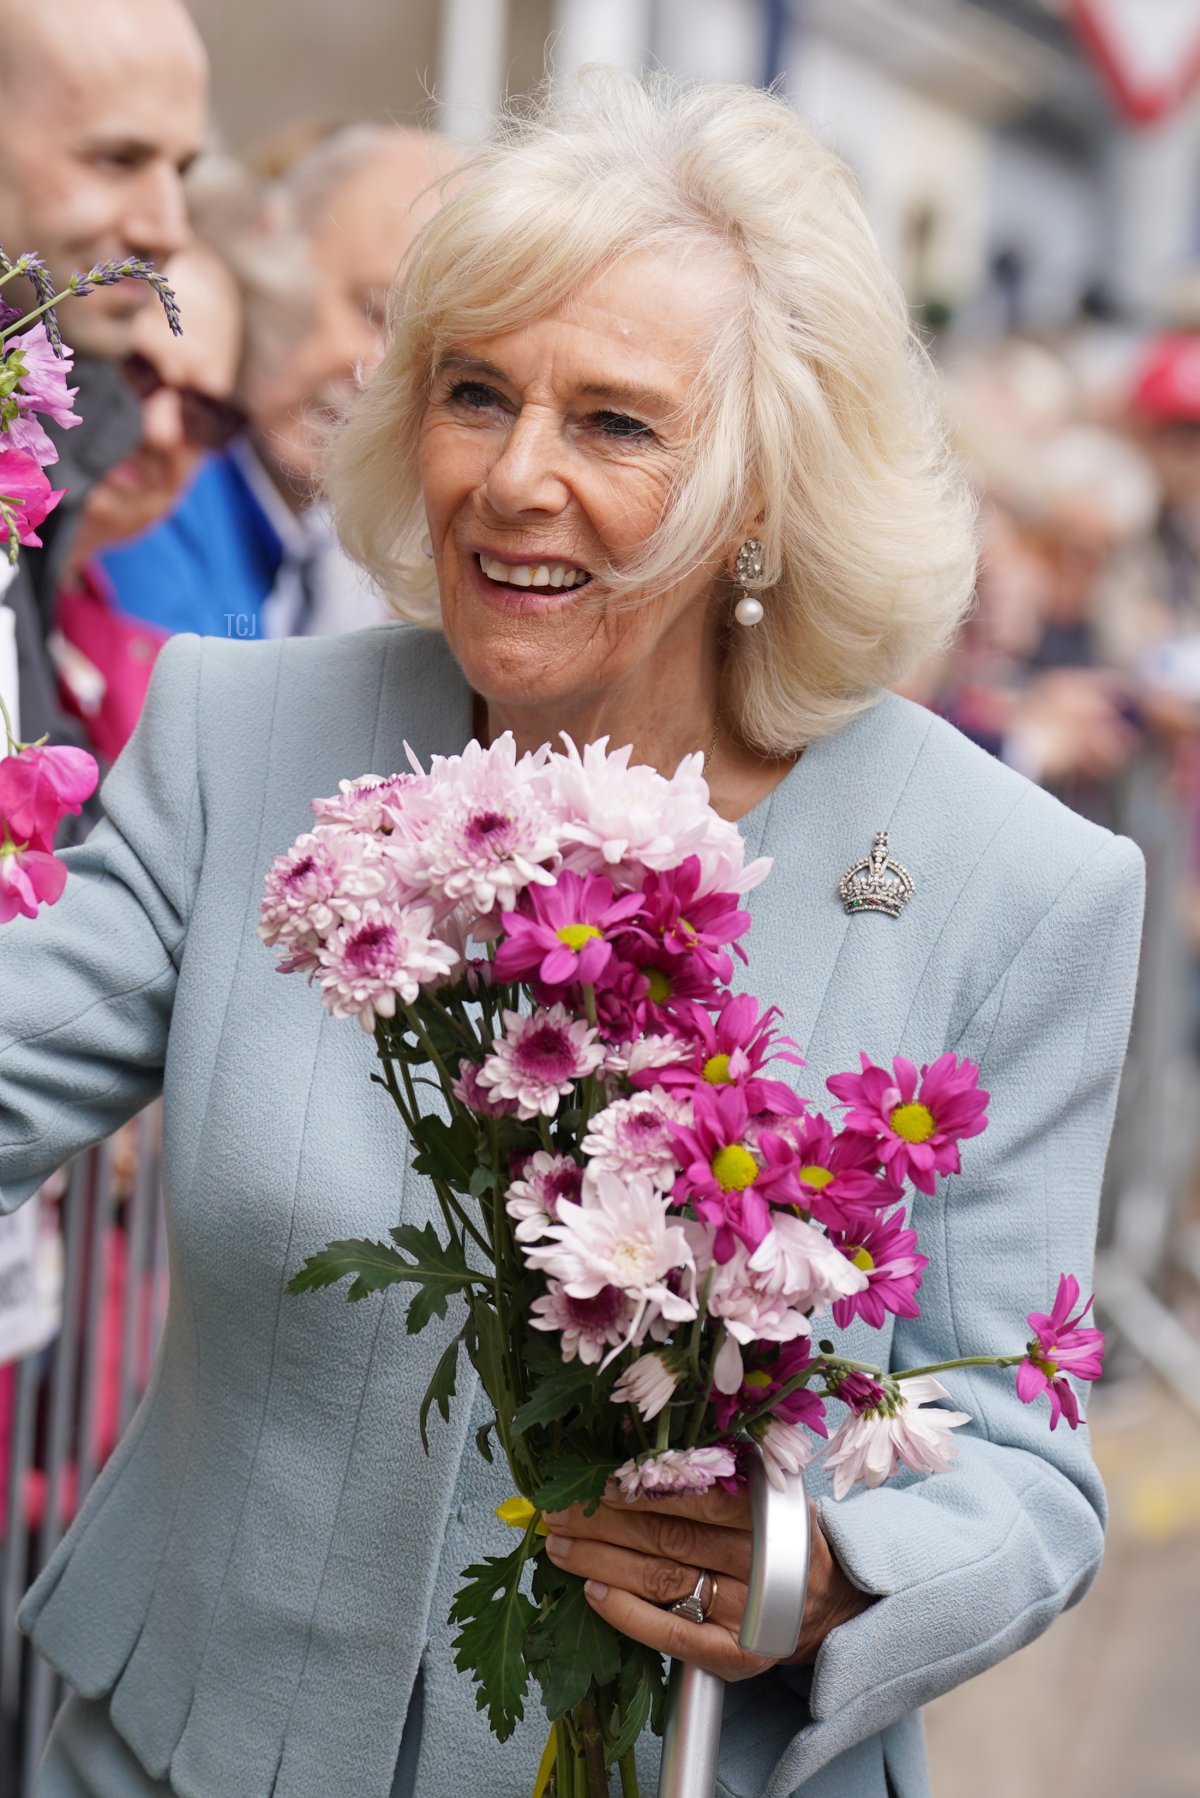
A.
x: 799, y: 1262
x: 917, y: 1119
x: 389, y: 955
x: 467, y: 1090
x: 537, y: 1060
x: 588, y: 1327
x: 489, y: 834
x: 1059, y: 1347
x: 858, y: 1391
x: 728, y: 1184
x: 762, y: 1383
x: 785, y: 1450
x: 622, y: 1235
x: 647, y: 1384
x: 645, y: 1056
x: 382, y: 804
x: 633, y: 1136
x: 533, y: 1199
x: 675, y: 1472
x: 561, y: 937
x: 731, y: 1050
x: 322, y: 882
x: 870, y: 1444
x: 887, y: 1253
x: 745, y: 1301
x: 839, y: 1173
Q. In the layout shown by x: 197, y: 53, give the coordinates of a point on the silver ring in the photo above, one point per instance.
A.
x: 693, y: 1607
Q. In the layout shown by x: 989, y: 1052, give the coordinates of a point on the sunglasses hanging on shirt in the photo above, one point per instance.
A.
x: 208, y: 423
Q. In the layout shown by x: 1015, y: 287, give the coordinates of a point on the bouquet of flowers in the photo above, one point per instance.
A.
x: 40, y: 783
x: 640, y: 1218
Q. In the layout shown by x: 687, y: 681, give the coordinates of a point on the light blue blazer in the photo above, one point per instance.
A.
x: 261, y: 1575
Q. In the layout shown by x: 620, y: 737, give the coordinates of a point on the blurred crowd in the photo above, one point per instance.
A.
x: 193, y: 497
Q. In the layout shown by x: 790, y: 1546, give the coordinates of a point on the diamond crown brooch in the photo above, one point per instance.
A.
x: 877, y: 883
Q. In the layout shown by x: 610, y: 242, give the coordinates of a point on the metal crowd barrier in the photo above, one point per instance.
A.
x: 73, y: 1400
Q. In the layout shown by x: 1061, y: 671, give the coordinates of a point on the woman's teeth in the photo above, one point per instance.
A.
x: 533, y: 574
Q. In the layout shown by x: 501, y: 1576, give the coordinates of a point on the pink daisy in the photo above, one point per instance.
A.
x: 675, y: 1472
x: 682, y: 923
x: 762, y: 1383
x: 390, y: 954
x: 839, y: 1173
x: 731, y: 1050
x: 588, y: 1327
x: 562, y: 934
x: 534, y: 1198
x: 537, y: 1060
x: 886, y: 1252
x: 918, y: 1128
x: 728, y: 1184
x: 1059, y: 1347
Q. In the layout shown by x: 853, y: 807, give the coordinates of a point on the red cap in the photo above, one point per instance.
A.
x: 1167, y: 387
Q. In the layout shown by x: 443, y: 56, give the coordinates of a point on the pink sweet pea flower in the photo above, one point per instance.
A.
x: 40, y: 785
x: 28, y: 878
x: 886, y: 1253
x: 25, y: 488
x: 1059, y: 1347
x: 918, y: 1128
x: 43, y: 386
x: 731, y: 1050
x: 561, y: 936
x: 25, y: 434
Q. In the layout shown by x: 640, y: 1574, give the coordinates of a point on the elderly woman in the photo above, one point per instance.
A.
x: 650, y: 331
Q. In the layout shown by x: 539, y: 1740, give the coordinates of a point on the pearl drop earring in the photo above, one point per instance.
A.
x: 746, y: 570
x: 427, y: 545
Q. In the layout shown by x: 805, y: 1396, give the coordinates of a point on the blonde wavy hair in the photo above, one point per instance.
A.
x: 817, y: 402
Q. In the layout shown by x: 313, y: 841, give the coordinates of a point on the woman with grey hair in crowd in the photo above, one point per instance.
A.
x: 653, y: 408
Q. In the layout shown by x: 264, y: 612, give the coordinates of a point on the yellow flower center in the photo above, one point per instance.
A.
x: 734, y: 1168
x: 816, y: 1176
x: 757, y: 1379
x: 863, y: 1259
x: 1048, y: 1367
x: 716, y: 1070
x: 660, y: 986
x: 913, y: 1122
x: 577, y: 936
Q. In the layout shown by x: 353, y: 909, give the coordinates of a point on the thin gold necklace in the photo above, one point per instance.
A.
x: 712, y: 748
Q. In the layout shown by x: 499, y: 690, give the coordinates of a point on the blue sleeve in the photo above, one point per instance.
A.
x: 86, y: 987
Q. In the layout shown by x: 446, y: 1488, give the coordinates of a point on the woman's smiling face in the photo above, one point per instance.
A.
x: 548, y: 455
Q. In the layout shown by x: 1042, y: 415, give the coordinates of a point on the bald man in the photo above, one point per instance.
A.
x: 263, y: 558
x: 102, y: 108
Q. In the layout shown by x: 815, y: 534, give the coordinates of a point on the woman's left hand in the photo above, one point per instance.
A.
x: 639, y: 1558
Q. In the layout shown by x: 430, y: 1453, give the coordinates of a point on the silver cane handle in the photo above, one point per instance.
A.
x: 770, y: 1627
x: 778, y: 1565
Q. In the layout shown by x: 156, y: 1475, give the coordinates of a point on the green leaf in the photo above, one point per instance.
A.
x: 373, y: 1265
x: 437, y: 1267
x: 482, y: 1181
x: 636, y: 1708
x: 555, y: 1395
x: 441, y: 1389
x: 495, y: 1619
x: 488, y: 1355
x: 570, y: 1481
x: 481, y: 1440
x: 447, y: 1152
x: 571, y: 1646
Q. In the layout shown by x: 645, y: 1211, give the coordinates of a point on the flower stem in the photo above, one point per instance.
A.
x: 910, y: 1373
x: 13, y: 744
x: 627, y: 1766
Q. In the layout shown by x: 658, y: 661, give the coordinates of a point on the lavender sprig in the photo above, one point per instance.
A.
x: 105, y: 274
x: 131, y: 268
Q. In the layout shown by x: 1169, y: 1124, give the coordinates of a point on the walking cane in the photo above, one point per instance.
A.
x: 770, y: 1627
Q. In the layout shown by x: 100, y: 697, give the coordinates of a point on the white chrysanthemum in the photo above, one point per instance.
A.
x: 644, y: 1053
x: 647, y: 1384
x: 388, y: 955
x: 537, y: 1060
x: 675, y: 1472
x: 750, y: 1309
x: 532, y: 1201
x: 489, y: 834
x: 785, y: 1448
x: 587, y: 1326
x: 633, y: 1136
x: 623, y: 1236
x: 869, y: 1446
x: 619, y: 820
x: 320, y: 883
x: 798, y: 1260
